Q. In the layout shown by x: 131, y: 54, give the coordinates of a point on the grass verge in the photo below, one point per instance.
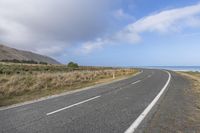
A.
x: 194, y: 77
x: 194, y: 115
x: 25, y: 86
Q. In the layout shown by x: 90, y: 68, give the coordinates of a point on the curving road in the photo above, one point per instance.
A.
x: 117, y: 107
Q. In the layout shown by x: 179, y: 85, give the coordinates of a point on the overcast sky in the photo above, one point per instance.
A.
x: 105, y: 32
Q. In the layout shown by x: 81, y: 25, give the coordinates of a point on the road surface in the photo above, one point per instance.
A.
x: 111, y: 108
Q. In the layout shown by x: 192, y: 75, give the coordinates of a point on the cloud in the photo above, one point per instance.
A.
x: 51, y: 26
x: 39, y: 25
x: 168, y: 21
x: 88, y: 47
x: 121, y: 15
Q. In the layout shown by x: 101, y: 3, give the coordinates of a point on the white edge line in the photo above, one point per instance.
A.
x: 136, y: 82
x: 140, y: 118
x: 73, y: 105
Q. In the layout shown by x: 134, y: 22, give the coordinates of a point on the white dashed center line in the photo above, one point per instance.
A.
x: 50, y: 113
x: 149, y: 76
x: 136, y: 82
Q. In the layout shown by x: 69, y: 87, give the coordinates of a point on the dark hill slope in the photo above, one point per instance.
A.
x: 7, y: 53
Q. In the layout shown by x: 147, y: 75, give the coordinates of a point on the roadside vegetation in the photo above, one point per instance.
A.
x: 195, y: 82
x: 23, y: 61
x: 194, y: 91
x: 22, y: 82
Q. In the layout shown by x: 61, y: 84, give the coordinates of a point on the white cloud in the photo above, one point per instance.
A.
x: 168, y: 21
x: 54, y: 49
x: 121, y: 15
x: 89, y: 46
x: 37, y: 24
x: 51, y: 26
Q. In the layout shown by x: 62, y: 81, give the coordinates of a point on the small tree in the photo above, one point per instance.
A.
x: 72, y: 65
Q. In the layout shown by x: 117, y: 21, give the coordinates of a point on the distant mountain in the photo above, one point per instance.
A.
x: 10, y: 54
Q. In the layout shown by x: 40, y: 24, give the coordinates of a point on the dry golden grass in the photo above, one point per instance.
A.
x: 22, y: 68
x: 195, y: 77
x: 194, y: 91
x: 16, y: 88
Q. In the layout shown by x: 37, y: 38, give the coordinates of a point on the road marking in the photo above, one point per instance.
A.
x: 140, y: 118
x: 148, y: 76
x: 73, y: 105
x: 136, y: 82
x: 139, y: 73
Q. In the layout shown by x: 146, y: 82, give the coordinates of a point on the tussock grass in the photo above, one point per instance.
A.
x: 33, y: 84
x: 21, y: 68
x: 195, y: 77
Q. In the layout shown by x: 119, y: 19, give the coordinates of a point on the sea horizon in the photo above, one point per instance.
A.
x: 177, y: 68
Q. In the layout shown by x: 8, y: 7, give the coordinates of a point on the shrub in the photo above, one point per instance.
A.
x: 72, y: 65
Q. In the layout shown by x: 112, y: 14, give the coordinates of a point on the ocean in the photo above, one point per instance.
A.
x: 178, y: 68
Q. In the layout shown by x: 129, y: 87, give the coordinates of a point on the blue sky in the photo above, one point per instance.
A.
x: 106, y: 33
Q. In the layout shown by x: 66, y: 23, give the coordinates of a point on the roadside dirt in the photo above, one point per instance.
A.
x: 179, y: 111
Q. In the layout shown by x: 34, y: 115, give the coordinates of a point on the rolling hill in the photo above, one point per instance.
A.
x: 10, y: 54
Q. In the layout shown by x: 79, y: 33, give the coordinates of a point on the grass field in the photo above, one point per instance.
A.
x: 22, y: 82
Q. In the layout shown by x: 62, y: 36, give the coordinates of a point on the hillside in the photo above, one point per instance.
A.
x: 7, y: 53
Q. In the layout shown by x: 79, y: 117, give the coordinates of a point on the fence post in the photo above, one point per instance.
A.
x: 113, y: 75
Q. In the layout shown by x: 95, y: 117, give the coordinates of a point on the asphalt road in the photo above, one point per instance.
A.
x: 110, y: 108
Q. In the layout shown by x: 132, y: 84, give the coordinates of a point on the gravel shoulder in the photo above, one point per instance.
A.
x: 179, y: 111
